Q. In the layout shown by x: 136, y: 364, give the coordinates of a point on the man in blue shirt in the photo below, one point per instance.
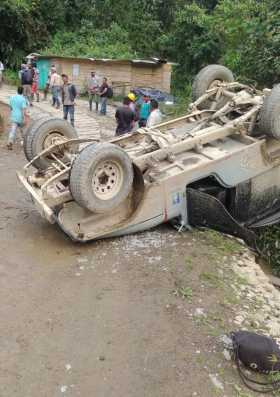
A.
x: 18, y: 107
x: 145, y: 111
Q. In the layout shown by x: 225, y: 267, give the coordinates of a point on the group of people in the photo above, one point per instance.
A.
x: 29, y: 78
x: 134, y: 112
x: 144, y: 111
x: 98, y: 93
x: 60, y: 86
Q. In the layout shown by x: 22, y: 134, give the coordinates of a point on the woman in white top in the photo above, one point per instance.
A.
x: 155, y: 116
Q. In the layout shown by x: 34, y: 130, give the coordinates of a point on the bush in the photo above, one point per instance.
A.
x: 269, y: 246
x: 112, y: 43
x: 11, y: 77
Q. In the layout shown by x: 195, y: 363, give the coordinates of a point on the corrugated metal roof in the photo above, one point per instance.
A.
x: 151, y: 61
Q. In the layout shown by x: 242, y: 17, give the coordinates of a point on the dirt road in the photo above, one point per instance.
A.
x: 137, y: 316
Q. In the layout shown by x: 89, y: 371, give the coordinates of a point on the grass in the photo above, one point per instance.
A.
x: 211, y: 279
x: 189, y: 264
x: 224, y: 245
x: 184, y: 292
x: 240, y: 392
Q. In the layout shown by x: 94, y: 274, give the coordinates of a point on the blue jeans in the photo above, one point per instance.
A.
x: 103, y: 101
x: 13, y: 132
x: 69, y: 109
x: 55, y: 95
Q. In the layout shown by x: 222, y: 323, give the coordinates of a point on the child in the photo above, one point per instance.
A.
x: 18, y: 106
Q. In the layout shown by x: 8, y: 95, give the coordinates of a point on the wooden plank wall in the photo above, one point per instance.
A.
x: 131, y: 75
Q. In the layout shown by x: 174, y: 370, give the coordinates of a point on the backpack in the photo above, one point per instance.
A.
x: 109, y: 92
x: 27, y: 76
x: 260, y: 353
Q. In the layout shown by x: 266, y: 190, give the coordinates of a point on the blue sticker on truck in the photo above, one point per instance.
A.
x: 176, y: 199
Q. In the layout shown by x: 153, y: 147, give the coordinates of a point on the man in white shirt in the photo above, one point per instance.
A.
x: 1, y: 73
x: 155, y: 116
x: 55, y: 84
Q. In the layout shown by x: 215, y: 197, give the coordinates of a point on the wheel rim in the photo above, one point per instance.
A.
x: 52, y: 138
x: 214, y: 84
x: 107, y: 180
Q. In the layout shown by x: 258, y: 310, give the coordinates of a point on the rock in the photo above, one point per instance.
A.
x: 227, y: 355
x: 216, y: 382
x: 199, y: 312
x: 227, y: 341
x: 274, y: 327
x: 239, y: 320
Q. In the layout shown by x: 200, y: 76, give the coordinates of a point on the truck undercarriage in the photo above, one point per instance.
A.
x: 217, y: 166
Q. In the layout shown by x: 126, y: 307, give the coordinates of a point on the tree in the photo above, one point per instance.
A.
x: 192, y: 43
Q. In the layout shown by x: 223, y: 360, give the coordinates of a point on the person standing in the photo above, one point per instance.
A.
x: 22, y: 69
x: 34, y: 87
x: 26, y: 81
x: 155, y: 116
x: 55, y: 84
x: 69, y: 94
x: 103, y: 96
x: 1, y: 73
x: 124, y: 117
x: 144, y: 111
x: 93, y: 87
x: 18, y: 107
x: 47, y: 86
x: 132, y: 98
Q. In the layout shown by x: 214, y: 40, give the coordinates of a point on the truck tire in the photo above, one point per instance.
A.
x: 42, y: 134
x: 101, y: 177
x: 27, y: 134
x: 269, y: 123
x: 206, y: 79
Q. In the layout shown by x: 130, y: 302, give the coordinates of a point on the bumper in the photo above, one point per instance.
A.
x: 45, y: 211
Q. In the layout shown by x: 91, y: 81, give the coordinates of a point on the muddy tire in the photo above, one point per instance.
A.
x: 206, y: 79
x: 42, y: 134
x: 269, y: 123
x: 28, y: 131
x: 101, y: 177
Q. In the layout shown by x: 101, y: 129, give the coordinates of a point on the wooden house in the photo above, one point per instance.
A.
x: 122, y: 74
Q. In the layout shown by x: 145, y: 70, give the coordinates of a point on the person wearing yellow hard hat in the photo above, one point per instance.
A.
x: 132, y: 98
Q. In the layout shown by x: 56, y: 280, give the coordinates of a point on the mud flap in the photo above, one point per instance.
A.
x: 206, y: 210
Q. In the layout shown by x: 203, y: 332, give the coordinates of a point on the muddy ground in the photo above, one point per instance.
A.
x: 137, y: 316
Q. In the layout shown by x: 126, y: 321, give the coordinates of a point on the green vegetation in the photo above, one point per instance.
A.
x: 223, y: 245
x: 269, y: 244
x: 184, y: 292
x: 244, y: 34
x: 11, y: 77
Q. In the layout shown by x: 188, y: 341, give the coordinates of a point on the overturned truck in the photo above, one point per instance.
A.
x: 217, y: 166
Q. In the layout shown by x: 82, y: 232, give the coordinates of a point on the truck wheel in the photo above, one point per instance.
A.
x: 101, y: 177
x: 269, y: 123
x: 33, y: 124
x: 207, y: 78
x: 44, y: 133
